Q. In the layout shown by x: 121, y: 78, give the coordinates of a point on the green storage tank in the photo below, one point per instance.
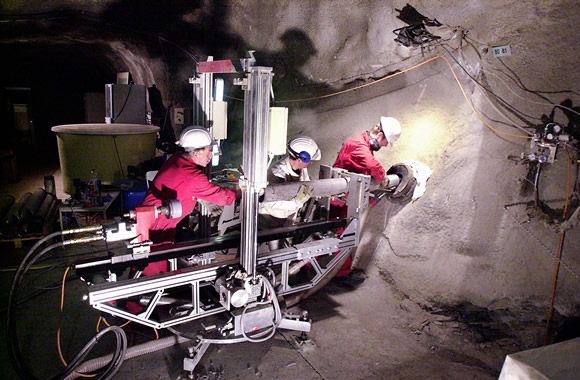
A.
x: 107, y: 148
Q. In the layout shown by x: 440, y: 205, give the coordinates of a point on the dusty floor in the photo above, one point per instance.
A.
x: 365, y: 332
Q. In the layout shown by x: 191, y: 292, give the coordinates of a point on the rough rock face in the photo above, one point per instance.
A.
x: 468, y: 238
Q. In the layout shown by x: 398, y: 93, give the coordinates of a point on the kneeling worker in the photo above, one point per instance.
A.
x: 181, y: 177
x: 357, y: 156
x: 302, y: 150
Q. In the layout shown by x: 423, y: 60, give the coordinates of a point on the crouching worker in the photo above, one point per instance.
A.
x: 357, y: 156
x: 181, y: 177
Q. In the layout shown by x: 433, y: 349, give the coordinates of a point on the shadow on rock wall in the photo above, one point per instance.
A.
x: 297, y: 50
x: 288, y: 82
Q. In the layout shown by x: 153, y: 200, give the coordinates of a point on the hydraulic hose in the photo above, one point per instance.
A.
x: 115, y: 361
x: 263, y: 335
x: 277, y: 314
x: 29, y: 259
x: 13, y: 349
x: 132, y: 352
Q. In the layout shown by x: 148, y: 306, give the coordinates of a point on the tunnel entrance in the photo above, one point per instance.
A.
x: 43, y: 85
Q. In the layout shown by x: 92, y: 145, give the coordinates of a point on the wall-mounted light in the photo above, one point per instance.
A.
x: 219, y: 89
x: 216, y: 151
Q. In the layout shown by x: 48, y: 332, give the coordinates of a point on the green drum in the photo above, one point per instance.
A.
x: 107, y: 148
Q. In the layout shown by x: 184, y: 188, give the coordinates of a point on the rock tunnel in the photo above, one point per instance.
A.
x: 494, y: 239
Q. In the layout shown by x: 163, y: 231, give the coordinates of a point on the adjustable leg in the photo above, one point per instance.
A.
x: 195, y: 355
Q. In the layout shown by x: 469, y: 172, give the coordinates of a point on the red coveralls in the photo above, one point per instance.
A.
x: 179, y: 178
x: 355, y: 156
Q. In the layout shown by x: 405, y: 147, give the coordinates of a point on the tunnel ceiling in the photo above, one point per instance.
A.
x: 73, y: 65
x: 58, y: 75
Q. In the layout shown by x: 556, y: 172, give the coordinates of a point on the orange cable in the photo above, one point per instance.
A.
x: 60, y: 315
x: 558, y: 252
x: 156, y: 333
x: 409, y: 69
x: 399, y: 73
x: 108, y: 325
x: 60, y: 321
x: 473, y: 108
x: 569, y: 180
x: 361, y: 86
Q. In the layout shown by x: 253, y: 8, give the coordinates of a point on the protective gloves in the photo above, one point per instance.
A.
x: 303, y: 195
x: 384, y: 185
x: 212, y: 208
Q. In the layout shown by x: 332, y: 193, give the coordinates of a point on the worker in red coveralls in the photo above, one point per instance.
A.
x: 181, y: 177
x: 357, y: 156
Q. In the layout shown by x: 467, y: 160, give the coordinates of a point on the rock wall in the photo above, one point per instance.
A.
x: 468, y: 238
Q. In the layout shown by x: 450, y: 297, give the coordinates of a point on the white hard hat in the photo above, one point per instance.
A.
x: 391, y: 128
x: 194, y: 137
x: 304, y: 148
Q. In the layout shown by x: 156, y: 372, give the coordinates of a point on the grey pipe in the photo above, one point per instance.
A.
x: 6, y: 202
x: 320, y: 188
x: 132, y: 352
x: 38, y: 219
x: 15, y: 213
x: 30, y: 207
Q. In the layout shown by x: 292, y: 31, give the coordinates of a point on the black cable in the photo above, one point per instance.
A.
x: 510, y: 108
x: 73, y: 255
x: 116, y: 361
x: 40, y: 291
x: 14, y: 350
x: 300, y: 352
x: 118, y: 156
x: 124, y: 103
x: 502, y: 102
x: 537, y: 185
x: 496, y: 121
x: 41, y: 274
x: 470, y: 41
x: 521, y: 84
x: 164, y: 121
